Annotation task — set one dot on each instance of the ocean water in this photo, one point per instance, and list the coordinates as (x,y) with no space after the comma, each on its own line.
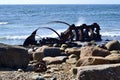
(18,21)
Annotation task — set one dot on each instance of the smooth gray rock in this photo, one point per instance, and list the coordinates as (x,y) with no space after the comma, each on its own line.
(13,56)
(52,51)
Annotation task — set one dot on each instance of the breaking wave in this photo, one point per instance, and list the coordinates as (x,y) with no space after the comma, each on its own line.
(110,34)
(3,23)
(80,21)
(13,37)
(38,36)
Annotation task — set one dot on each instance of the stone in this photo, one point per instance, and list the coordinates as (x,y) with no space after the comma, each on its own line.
(73,56)
(114,58)
(13,56)
(97,72)
(54,60)
(63,46)
(41,49)
(71,60)
(20,70)
(52,51)
(47,76)
(93,51)
(113,45)
(91,43)
(40,66)
(53,78)
(92,61)
(75,51)
(38,56)
(37,77)
(54,69)
(114,52)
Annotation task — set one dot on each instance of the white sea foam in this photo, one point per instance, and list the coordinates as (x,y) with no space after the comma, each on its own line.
(3,23)
(13,37)
(80,21)
(111,34)
(23,37)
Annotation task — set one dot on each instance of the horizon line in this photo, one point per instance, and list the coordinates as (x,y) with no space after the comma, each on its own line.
(61,4)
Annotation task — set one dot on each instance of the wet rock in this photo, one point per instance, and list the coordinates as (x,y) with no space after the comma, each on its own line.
(93,51)
(92,61)
(54,60)
(98,72)
(113,45)
(13,56)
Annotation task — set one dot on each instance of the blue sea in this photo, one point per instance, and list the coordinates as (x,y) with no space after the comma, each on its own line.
(17,22)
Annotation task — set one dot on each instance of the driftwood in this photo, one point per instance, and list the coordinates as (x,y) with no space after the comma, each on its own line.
(73,33)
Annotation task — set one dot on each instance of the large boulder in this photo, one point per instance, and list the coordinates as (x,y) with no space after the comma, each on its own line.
(93,51)
(13,56)
(91,61)
(98,72)
(113,45)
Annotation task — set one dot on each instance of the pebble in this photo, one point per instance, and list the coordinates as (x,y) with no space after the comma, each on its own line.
(55,69)
(53,79)
(20,70)
(37,77)
(72,56)
(47,76)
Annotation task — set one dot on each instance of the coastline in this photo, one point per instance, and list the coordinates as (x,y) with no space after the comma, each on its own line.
(57,70)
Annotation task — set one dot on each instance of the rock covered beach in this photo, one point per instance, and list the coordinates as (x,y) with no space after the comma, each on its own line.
(72,61)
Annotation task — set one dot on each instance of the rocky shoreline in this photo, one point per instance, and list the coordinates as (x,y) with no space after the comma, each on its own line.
(70,61)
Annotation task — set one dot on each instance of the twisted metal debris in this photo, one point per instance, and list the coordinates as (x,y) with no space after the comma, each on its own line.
(72,33)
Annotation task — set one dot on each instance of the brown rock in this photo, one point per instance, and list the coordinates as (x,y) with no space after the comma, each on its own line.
(91,61)
(38,56)
(113,45)
(93,51)
(114,58)
(71,60)
(75,51)
(114,52)
(98,72)
(41,49)
(54,60)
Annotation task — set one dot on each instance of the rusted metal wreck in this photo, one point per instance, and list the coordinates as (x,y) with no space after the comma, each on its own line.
(73,33)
